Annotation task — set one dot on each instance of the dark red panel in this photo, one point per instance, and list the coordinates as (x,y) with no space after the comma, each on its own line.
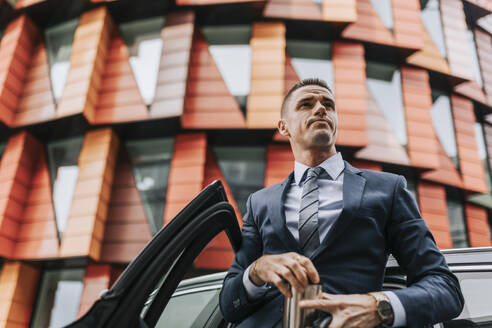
(434,209)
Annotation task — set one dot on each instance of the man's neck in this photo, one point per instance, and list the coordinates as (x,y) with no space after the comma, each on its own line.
(313,157)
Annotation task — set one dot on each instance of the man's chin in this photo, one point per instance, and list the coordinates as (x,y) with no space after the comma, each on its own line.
(322,140)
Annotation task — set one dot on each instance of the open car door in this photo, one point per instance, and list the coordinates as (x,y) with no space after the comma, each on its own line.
(158,269)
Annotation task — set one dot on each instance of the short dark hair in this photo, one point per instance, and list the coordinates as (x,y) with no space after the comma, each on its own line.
(300,84)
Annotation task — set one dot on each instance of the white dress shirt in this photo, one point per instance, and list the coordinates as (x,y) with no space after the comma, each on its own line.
(330,206)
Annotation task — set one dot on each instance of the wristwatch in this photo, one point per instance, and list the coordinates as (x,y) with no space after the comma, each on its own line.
(384,308)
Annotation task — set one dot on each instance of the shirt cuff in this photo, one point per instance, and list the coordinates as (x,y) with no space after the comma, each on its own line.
(254,292)
(398,310)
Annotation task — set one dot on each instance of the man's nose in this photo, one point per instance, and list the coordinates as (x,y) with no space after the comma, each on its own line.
(319,109)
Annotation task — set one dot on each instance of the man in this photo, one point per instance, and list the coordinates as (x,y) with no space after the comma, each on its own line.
(333,224)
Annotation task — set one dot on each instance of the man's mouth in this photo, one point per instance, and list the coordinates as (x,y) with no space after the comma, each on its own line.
(320,120)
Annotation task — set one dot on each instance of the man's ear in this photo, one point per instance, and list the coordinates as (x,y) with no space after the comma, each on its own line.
(282,128)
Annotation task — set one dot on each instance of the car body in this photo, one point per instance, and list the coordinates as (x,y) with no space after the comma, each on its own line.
(150,292)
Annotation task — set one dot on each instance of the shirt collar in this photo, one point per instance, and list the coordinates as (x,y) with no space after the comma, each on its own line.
(332,165)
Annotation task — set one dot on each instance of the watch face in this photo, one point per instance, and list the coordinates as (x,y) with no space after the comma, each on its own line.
(385,309)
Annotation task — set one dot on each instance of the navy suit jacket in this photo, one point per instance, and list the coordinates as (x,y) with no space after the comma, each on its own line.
(379,217)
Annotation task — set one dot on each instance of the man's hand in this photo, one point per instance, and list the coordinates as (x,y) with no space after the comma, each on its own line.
(296,269)
(347,311)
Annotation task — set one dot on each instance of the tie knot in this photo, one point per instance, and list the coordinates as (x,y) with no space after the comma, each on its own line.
(314,172)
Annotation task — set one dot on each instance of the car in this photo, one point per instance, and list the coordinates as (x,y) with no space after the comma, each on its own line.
(151,293)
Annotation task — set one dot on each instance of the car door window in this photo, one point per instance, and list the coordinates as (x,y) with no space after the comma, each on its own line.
(184,310)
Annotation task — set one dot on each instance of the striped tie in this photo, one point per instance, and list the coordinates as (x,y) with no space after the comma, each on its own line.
(308,213)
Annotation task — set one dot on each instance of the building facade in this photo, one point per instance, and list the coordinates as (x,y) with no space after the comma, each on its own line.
(115,114)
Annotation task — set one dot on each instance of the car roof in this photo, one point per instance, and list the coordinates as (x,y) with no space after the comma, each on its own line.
(460,256)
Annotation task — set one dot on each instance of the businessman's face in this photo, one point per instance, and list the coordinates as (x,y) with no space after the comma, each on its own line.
(310,119)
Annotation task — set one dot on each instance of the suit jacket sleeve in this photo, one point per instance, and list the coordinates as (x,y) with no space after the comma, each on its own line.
(234,302)
(434,293)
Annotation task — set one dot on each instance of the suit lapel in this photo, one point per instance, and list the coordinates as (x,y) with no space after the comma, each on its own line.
(353,187)
(278,211)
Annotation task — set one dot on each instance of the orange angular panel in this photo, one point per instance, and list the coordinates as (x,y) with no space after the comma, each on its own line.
(429,56)
(186,173)
(383,145)
(350,93)
(85,226)
(119,99)
(446,173)
(471,90)
(406,15)
(220,244)
(212,173)
(16,48)
(290,75)
(472,168)
(485,23)
(26,3)
(434,209)
(208,103)
(36,103)
(25,185)
(18,285)
(478,226)
(267,75)
(90,47)
(279,163)
(127,229)
(369,26)
(342,11)
(455,29)
(177,37)
(293,9)
(483,41)
(38,235)
(416,92)
(97,279)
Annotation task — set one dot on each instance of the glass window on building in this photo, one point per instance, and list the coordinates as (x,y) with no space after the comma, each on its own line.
(63,158)
(383,8)
(2,148)
(431,17)
(442,120)
(477,73)
(229,46)
(456,215)
(482,150)
(58,299)
(319,3)
(243,169)
(151,162)
(143,38)
(59,39)
(384,83)
(312,59)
